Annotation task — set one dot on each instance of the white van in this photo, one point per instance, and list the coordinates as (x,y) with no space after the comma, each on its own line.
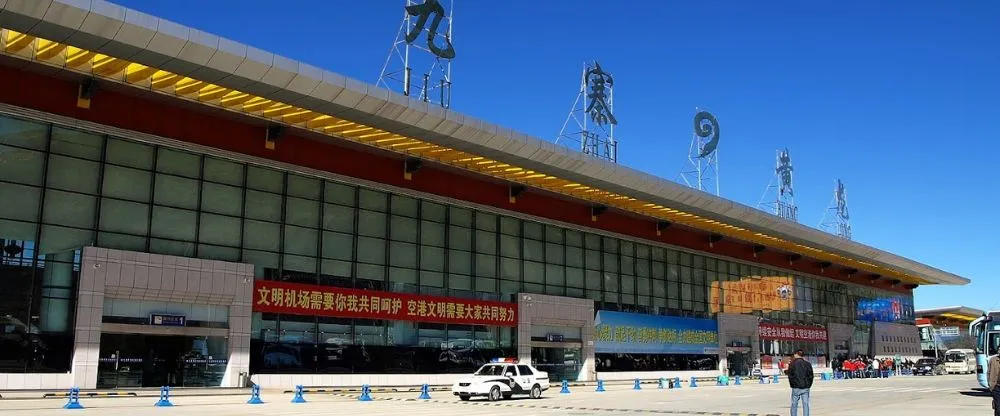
(960,361)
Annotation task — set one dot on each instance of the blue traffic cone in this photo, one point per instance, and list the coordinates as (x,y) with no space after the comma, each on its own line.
(164,397)
(775,379)
(636,387)
(600,386)
(425,392)
(738,381)
(255,395)
(677,382)
(693,383)
(298,395)
(365,394)
(565,387)
(74,399)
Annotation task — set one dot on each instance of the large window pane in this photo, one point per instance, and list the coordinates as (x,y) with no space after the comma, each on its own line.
(132,154)
(304,212)
(21,165)
(220,230)
(486,265)
(176,191)
(459,238)
(178,163)
(432,258)
(171,247)
(338,218)
(121,241)
(461,217)
(301,241)
(371,250)
(72,174)
(510,269)
(23,133)
(371,223)
(260,235)
(534,250)
(221,199)
(61,239)
(303,187)
(459,262)
(338,246)
(433,211)
(301,264)
(223,171)
(555,275)
(177,224)
(432,233)
(76,143)
(534,272)
(126,183)
(510,226)
(339,193)
(19,202)
(403,228)
(486,242)
(265,179)
(403,254)
(372,200)
(510,246)
(554,253)
(65,208)
(263,206)
(404,205)
(124,216)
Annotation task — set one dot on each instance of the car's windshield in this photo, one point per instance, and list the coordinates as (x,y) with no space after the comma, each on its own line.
(955,357)
(926,361)
(490,370)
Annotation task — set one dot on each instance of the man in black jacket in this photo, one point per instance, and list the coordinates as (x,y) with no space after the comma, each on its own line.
(800,378)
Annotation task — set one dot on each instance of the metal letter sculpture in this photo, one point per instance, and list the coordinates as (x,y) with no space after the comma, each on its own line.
(784,171)
(841,195)
(422,12)
(705,125)
(598,107)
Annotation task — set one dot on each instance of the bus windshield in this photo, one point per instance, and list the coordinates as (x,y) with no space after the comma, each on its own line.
(993,343)
(955,357)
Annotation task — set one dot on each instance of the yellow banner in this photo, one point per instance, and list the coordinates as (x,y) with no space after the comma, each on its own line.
(754,293)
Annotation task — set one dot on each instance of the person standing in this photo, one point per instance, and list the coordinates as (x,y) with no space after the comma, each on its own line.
(993,378)
(800,378)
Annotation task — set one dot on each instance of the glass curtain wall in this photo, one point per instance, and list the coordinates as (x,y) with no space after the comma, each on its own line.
(75,188)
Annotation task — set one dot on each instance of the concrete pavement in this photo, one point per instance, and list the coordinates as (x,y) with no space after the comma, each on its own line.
(904,396)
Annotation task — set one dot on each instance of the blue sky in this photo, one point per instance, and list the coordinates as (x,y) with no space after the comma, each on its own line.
(900,100)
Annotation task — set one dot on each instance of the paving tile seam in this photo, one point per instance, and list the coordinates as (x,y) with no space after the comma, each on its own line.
(550,407)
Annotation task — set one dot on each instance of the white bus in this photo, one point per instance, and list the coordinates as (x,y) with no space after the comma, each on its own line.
(960,361)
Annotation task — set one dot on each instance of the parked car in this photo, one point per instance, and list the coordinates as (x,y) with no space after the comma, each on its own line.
(928,367)
(502,378)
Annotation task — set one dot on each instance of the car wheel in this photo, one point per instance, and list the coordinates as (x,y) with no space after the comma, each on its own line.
(494,394)
(464,397)
(536,392)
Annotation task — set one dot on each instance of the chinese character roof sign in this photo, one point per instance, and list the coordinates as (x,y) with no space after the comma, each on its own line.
(620,332)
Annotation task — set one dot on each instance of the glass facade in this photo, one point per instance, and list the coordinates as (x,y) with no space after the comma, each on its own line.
(75,188)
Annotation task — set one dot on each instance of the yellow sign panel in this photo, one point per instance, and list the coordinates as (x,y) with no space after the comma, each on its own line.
(754,293)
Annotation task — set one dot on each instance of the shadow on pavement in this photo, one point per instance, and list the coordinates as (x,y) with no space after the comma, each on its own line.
(978,392)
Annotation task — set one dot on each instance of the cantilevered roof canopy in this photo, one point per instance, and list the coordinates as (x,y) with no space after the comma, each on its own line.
(959,313)
(109,42)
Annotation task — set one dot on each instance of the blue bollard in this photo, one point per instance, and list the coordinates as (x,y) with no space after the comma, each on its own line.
(425,392)
(164,397)
(738,382)
(255,395)
(299,390)
(74,399)
(775,379)
(565,387)
(660,385)
(636,387)
(600,386)
(693,383)
(366,394)
(677,382)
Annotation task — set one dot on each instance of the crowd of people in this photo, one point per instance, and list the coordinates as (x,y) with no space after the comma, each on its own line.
(863,366)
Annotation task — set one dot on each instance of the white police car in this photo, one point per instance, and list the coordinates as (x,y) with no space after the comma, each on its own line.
(502,378)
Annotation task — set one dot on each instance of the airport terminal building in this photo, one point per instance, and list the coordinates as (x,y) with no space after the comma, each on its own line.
(181,209)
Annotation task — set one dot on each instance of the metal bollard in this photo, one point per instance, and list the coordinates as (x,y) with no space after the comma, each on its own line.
(74,399)
(636,387)
(565,387)
(255,395)
(366,394)
(600,386)
(299,390)
(164,397)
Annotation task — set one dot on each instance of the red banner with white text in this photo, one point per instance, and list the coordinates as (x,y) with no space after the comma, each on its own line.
(792,333)
(316,300)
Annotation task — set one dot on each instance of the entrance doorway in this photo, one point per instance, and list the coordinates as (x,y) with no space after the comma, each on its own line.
(561,360)
(739,363)
(143,360)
